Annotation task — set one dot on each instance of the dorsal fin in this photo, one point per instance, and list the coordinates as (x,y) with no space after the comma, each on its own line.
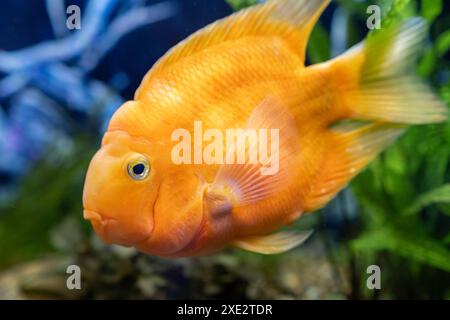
(289,20)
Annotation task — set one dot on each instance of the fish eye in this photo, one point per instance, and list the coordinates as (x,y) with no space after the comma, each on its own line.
(138,169)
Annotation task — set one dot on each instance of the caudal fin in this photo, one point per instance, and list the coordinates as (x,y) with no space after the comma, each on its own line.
(377,78)
(376,83)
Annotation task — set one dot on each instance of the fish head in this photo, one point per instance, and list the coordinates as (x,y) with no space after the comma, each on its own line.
(121,189)
(134,195)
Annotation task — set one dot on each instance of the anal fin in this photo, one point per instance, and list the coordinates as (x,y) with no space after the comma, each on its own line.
(274,243)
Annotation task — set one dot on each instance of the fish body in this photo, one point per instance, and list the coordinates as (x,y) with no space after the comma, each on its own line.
(248,72)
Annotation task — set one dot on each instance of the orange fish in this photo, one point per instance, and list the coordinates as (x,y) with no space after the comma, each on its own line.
(165,180)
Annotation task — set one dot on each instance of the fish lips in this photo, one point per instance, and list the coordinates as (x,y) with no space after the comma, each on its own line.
(111,231)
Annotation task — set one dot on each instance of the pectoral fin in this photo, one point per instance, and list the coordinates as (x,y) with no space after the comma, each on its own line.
(247,183)
(273,243)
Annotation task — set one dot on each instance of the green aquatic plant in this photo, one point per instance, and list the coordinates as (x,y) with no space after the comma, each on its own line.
(51,191)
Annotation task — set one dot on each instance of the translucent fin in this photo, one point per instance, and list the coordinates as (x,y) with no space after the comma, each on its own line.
(288,20)
(257,170)
(379,82)
(352,147)
(274,243)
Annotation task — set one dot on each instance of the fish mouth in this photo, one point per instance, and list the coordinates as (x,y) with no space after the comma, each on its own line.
(98,221)
(96,217)
(105,226)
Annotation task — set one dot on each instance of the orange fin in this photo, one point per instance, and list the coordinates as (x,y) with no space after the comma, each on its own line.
(351,149)
(288,20)
(378,81)
(274,243)
(252,173)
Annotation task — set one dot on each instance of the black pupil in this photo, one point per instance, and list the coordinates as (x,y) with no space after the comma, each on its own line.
(138,169)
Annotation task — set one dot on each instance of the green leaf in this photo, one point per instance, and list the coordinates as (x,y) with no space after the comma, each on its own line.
(319,45)
(443,43)
(431,9)
(438,195)
(447,239)
(427,62)
(408,245)
(240,4)
(445,94)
